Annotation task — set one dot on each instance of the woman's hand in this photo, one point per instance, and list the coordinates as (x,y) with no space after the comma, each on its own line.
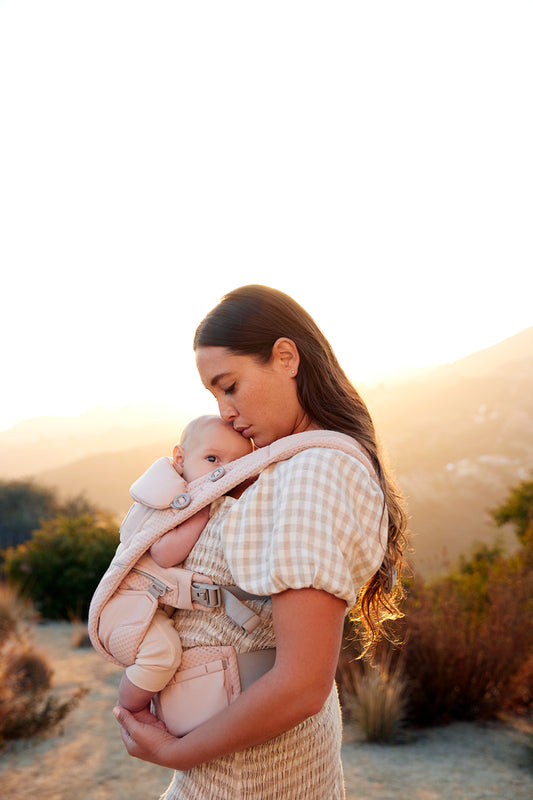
(146,737)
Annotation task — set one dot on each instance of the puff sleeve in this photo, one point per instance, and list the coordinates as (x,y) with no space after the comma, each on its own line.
(317,520)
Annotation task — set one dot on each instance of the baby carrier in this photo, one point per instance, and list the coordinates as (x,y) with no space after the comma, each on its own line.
(158,509)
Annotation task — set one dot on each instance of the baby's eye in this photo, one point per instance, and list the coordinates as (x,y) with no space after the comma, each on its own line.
(211,458)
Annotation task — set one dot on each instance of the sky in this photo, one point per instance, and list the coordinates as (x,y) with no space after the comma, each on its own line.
(373,160)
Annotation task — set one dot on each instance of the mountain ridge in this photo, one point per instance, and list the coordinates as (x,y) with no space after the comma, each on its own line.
(458,437)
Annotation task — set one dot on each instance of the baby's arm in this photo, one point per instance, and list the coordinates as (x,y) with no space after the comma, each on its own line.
(174,547)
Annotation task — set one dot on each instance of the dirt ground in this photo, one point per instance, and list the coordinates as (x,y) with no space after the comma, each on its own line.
(85,758)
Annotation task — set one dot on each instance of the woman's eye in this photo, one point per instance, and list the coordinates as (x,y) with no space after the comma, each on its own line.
(230,389)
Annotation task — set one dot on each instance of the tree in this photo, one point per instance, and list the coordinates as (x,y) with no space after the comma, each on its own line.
(518,510)
(25,505)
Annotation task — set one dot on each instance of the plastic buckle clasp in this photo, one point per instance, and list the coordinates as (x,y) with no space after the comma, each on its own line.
(207,594)
(181,501)
(217,474)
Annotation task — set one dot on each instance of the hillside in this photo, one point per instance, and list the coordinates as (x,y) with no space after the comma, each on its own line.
(45,444)
(105,478)
(458,437)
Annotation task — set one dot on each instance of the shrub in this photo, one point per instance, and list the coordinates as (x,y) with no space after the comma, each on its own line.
(27,707)
(26,671)
(60,567)
(376,698)
(372,690)
(467,646)
(14,612)
(465,640)
(520,694)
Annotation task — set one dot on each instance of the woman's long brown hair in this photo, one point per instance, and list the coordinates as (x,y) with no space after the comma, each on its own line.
(248,321)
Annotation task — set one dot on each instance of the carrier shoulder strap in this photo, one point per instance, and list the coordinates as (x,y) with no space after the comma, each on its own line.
(157,509)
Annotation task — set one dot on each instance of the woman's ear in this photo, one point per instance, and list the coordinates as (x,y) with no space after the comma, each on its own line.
(178,454)
(286,353)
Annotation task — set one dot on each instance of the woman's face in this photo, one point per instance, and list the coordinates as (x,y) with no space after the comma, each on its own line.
(260,400)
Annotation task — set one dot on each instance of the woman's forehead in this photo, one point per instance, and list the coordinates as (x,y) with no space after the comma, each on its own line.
(215,363)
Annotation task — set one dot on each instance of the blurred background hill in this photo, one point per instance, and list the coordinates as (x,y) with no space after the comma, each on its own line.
(457,436)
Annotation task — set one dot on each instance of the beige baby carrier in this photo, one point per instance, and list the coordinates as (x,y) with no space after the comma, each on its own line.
(158,509)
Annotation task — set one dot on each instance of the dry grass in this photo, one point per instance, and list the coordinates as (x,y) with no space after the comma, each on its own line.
(84,757)
(375,700)
(27,706)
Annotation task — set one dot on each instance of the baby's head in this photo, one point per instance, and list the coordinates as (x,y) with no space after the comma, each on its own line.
(207,442)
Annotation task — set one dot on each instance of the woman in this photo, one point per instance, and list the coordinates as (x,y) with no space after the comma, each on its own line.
(318,533)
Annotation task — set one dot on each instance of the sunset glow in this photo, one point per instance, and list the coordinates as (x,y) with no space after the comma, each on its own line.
(373,161)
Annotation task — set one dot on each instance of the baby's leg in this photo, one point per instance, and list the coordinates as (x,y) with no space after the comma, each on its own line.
(157,660)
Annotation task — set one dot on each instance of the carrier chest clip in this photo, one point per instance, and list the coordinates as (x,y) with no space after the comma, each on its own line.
(207,594)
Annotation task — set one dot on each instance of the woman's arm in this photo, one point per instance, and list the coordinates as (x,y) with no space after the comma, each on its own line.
(308,624)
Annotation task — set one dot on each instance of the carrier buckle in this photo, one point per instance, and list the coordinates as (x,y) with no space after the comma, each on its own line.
(207,594)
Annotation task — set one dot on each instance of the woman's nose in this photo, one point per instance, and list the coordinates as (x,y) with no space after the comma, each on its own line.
(227,411)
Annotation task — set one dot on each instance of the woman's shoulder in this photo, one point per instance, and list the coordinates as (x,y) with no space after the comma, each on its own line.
(320,459)
(323,473)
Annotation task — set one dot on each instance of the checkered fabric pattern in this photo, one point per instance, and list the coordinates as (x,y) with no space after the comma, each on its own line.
(314,520)
(317,520)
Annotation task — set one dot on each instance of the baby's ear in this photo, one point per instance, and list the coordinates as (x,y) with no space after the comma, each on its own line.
(178,455)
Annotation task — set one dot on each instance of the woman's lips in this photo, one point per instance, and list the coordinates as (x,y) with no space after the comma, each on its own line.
(245,431)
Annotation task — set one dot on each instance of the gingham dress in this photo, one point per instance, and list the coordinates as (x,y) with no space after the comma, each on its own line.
(315,520)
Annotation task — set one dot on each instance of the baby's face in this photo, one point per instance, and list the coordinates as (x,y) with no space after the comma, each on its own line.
(212,444)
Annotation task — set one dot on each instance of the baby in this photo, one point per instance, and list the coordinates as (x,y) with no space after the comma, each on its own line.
(207,442)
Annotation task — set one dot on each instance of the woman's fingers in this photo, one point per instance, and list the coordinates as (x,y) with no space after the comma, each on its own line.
(127,724)
(149,741)
(122,716)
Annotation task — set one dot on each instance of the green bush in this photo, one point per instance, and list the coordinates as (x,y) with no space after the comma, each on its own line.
(61,565)
(518,511)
